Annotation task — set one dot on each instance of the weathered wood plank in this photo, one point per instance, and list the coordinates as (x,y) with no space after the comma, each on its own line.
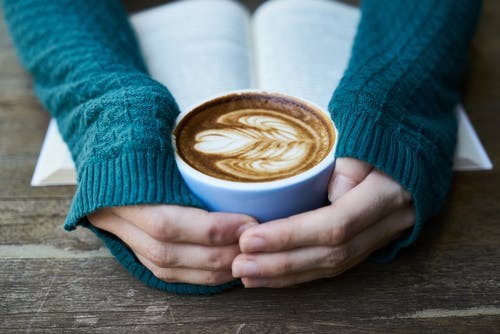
(40,222)
(450,292)
(468,219)
(86,324)
(24,123)
(470,216)
(15,177)
(484,72)
(448,282)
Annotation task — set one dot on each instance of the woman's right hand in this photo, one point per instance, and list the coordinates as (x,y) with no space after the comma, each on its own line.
(178,244)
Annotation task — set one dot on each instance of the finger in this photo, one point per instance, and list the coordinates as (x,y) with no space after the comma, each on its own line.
(285,281)
(289,280)
(269,265)
(186,225)
(347,174)
(370,201)
(184,275)
(168,255)
(278,264)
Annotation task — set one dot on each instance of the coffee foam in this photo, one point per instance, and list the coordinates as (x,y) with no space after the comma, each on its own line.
(237,141)
(257,143)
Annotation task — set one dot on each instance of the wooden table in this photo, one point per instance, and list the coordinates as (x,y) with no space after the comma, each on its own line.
(52,281)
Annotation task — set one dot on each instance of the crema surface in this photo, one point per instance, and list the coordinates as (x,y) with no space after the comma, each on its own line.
(254,139)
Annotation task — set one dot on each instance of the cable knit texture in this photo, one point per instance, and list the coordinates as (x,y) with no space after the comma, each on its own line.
(394,105)
(393,108)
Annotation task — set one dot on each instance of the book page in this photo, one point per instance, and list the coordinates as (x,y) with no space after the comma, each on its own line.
(470,154)
(201,48)
(55,165)
(197,48)
(303,47)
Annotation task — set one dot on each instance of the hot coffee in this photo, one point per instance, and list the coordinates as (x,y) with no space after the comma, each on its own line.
(254,137)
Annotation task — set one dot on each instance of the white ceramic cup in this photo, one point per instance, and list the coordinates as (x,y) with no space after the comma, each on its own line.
(263,200)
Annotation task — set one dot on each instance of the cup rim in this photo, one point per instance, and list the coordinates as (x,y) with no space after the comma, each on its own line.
(256,186)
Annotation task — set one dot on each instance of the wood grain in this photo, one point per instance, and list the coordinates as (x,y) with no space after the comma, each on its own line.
(52,281)
(406,296)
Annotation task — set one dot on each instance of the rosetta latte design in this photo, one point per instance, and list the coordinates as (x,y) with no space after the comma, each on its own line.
(254,145)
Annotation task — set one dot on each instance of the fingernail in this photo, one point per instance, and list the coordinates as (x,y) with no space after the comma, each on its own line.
(254,244)
(245,268)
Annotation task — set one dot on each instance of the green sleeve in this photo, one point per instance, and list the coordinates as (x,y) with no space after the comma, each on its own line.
(394,105)
(116,120)
(398,93)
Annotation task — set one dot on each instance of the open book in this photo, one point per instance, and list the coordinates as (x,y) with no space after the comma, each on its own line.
(203,48)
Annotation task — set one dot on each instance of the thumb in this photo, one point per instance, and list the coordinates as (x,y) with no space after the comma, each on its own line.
(348,174)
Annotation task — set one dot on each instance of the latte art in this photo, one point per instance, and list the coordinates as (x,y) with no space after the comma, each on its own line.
(254,139)
(256,143)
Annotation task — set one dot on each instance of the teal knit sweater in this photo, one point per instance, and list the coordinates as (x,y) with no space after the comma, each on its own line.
(393,107)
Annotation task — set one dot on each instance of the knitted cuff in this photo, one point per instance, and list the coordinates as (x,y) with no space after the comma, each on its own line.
(131,179)
(383,146)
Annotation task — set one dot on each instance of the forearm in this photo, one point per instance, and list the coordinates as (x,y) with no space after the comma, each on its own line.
(394,106)
(89,75)
(116,120)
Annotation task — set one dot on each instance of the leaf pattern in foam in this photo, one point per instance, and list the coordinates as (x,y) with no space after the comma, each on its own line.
(255,144)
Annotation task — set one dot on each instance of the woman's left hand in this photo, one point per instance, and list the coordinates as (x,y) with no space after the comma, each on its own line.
(368,210)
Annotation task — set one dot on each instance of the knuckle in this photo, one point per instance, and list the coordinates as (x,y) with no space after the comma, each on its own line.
(215,234)
(283,267)
(408,219)
(153,253)
(338,234)
(215,278)
(157,272)
(161,274)
(157,229)
(337,258)
(167,275)
(402,196)
(170,233)
(160,228)
(161,255)
(216,261)
(286,235)
(393,190)
(399,194)
(170,259)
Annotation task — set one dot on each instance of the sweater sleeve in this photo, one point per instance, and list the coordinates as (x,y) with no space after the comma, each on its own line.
(394,105)
(116,120)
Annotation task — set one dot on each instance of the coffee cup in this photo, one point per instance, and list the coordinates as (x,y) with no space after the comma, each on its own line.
(264,154)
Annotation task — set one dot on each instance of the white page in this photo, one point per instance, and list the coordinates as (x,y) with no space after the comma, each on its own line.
(197,48)
(470,154)
(303,47)
(174,55)
(55,165)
